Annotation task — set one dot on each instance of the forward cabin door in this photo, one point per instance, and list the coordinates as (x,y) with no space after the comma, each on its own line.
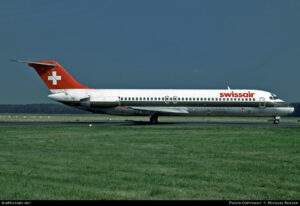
(262,103)
(175,100)
(167,99)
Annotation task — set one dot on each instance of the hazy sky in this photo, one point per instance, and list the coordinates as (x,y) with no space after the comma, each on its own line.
(251,44)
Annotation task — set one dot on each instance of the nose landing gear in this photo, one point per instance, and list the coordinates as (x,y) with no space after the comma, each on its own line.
(276,120)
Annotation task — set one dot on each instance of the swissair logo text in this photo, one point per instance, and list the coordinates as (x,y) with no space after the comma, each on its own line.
(234,94)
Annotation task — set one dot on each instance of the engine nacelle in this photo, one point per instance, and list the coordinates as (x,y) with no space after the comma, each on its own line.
(85,99)
(67,97)
(104,101)
(100,101)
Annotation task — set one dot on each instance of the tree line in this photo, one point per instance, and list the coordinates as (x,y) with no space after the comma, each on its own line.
(63,109)
(39,109)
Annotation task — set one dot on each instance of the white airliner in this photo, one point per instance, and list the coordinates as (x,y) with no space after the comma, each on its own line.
(158,102)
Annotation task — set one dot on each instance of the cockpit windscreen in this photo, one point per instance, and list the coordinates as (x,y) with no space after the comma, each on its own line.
(273,96)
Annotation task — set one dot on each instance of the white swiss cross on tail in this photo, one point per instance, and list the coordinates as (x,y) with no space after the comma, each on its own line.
(54,78)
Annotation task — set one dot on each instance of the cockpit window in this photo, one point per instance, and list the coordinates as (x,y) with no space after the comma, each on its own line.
(274,97)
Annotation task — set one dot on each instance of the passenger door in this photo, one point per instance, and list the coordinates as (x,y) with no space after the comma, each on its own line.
(175,100)
(167,99)
(262,103)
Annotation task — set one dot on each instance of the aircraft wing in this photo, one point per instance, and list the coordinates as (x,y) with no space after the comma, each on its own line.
(174,110)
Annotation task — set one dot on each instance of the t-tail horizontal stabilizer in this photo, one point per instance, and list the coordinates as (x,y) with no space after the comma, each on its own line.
(32,63)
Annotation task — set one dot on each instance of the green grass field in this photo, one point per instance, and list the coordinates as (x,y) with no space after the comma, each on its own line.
(149,162)
(99,118)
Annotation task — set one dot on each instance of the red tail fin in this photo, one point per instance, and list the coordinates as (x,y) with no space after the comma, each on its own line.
(55,76)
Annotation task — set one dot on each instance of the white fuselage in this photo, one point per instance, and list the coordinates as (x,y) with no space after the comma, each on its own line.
(174,102)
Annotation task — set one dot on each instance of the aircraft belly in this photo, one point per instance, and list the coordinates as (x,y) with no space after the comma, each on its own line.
(238,111)
(201,111)
(122,111)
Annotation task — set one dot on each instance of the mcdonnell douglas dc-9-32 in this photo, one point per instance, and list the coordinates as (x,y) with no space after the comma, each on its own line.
(158,102)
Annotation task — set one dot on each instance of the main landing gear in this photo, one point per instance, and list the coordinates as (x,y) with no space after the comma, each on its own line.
(276,120)
(154,119)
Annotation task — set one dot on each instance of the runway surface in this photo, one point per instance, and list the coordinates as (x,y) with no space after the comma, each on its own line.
(143,123)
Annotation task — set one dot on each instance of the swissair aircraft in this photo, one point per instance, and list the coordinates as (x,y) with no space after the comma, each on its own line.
(158,102)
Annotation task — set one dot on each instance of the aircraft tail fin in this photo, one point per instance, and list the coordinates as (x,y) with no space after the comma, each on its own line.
(53,74)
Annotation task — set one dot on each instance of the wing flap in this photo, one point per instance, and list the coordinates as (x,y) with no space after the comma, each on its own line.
(174,110)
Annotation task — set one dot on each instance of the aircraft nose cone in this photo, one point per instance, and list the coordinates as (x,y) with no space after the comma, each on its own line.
(291,110)
(280,101)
